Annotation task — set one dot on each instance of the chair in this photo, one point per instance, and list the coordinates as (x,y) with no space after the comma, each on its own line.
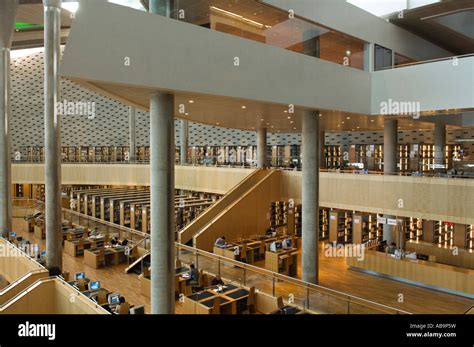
(216,308)
(80,247)
(124,308)
(102,297)
(101,258)
(243,253)
(65,276)
(251,301)
(197,287)
(146,272)
(81,285)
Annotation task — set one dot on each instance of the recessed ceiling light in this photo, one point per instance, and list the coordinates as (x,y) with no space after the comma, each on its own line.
(289,117)
(261,119)
(294,128)
(218,123)
(191,101)
(342,122)
(268,123)
(410,124)
(348,117)
(286,111)
(291,122)
(186,114)
(320,115)
(372,120)
(272,126)
(243,106)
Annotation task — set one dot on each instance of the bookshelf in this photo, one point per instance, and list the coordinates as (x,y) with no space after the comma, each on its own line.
(323,223)
(333,156)
(413,229)
(404,157)
(298,220)
(378,158)
(340,227)
(426,155)
(278,214)
(443,233)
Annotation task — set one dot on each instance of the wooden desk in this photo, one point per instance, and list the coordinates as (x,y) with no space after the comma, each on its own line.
(203,302)
(74,234)
(113,256)
(462,258)
(451,278)
(70,247)
(180,281)
(284,261)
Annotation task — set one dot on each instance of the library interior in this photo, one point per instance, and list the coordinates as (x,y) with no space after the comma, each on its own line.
(228,157)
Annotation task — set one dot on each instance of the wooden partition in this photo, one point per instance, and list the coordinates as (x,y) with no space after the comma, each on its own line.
(51,296)
(445,255)
(440,276)
(430,198)
(233,195)
(18,269)
(209,179)
(247,216)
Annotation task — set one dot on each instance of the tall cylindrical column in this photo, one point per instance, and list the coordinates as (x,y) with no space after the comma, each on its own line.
(184,142)
(390,144)
(162,203)
(439,146)
(133,133)
(310,196)
(52,126)
(8,10)
(262,148)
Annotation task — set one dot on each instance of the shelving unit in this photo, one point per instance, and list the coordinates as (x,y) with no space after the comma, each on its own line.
(443,233)
(426,155)
(414,229)
(333,156)
(323,223)
(404,157)
(340,227)
(298,220)
(278,214)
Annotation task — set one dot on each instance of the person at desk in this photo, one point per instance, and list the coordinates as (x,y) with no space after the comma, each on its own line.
(391,249)
(270,232)
(220,242)
(117,308)
(124,242)
(193,275)
(94,232)
(114,241)
(217,281)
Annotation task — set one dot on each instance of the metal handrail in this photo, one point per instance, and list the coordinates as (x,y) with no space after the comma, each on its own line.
(277,276)
(426,61)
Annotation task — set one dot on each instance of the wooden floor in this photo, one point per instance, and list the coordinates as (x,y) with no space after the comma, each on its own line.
(333,274)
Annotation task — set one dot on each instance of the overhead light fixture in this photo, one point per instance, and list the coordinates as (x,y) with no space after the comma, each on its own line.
(289,117)
(191,101)
(240,18)
(244,107)
(348,117)
(261,119)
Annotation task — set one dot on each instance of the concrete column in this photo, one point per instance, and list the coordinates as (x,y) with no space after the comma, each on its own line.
(310,197)
(322,142)
(8,10)
(390,148)
(262,148)
(184,142)
(369,57)
(162,203)
(52,126)
(439,146)
(133,133)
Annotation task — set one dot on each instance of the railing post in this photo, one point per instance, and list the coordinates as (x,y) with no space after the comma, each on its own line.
(307,297)
(348,304)
(245,272)
(273,286)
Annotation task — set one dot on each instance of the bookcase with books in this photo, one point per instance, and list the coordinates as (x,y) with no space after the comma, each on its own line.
(340,227)
(333,156)
(278,214)
(413,229)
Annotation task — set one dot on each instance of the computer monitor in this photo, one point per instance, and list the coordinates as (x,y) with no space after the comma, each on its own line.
(114,299)
(13,234)
(287,243)
(275,246)
(80,276)
(43,254)
(94,285)
(137,310)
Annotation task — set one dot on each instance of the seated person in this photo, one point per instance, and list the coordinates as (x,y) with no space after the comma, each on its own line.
(217,281)
(220,242)
(124,242)
(114,241)
(94,232)
(269,232)
(193,275)
(117,307)
(391,249)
